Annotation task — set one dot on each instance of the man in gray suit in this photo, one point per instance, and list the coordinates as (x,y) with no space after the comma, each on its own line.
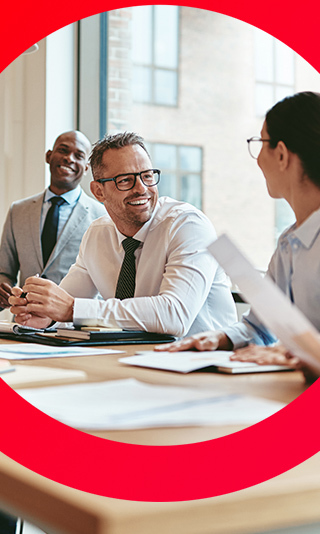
(24,238)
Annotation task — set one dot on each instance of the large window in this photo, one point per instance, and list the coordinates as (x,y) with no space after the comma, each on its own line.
(155,50)
(181,168)
(186,80)
(274,71)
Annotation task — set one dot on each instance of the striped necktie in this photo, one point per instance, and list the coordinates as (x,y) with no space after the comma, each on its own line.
(127,277)
(50,228)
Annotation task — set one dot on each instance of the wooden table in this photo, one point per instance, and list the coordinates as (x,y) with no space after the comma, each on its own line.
(290,499)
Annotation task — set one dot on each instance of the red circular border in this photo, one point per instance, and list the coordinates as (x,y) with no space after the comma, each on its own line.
(136,472)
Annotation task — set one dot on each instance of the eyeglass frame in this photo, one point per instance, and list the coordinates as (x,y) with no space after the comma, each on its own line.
(256,138)
(135,174)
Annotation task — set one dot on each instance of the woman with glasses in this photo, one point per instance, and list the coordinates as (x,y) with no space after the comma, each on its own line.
(288,153)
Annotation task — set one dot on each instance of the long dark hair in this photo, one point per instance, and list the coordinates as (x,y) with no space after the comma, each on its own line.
(295,120)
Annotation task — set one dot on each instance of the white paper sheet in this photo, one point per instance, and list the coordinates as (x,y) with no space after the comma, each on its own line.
(268,302)
(128,404)
(32,376)
(188,361)
(33,351)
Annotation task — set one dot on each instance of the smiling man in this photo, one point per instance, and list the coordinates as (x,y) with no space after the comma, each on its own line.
(40,238)
(147,257)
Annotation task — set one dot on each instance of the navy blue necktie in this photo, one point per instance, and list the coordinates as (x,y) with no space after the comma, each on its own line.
(50,228)
(127,277)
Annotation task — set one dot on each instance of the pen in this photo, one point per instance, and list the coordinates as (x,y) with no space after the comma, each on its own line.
(23,295)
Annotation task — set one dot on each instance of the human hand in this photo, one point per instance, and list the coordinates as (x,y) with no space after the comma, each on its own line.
(211,340)
(22,316)
(45,299)
(5,293)
(276,355)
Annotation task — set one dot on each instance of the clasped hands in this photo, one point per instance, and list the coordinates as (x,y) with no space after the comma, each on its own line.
(44,302)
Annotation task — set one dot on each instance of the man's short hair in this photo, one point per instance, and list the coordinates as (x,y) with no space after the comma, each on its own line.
(118,140)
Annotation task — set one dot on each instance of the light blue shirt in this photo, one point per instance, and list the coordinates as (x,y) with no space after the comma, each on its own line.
(295,268)
(71,198)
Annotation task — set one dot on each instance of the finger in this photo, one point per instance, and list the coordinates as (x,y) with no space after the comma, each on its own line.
(36,280)
(4,303)
(16,291)
(163,347)
(22,318)
(7,286)
(17,301)
(4,293)
(33,296)
(242,357)
(204,344)
(37,309)
(185,344)
(37,289)
(19,310)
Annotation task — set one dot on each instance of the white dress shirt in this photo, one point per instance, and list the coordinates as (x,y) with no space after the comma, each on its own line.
(180,289)
(295,268)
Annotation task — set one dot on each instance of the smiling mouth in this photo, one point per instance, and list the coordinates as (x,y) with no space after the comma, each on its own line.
(66,168)
(140,202)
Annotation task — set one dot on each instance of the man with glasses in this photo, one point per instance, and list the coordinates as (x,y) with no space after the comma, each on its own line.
(147,257)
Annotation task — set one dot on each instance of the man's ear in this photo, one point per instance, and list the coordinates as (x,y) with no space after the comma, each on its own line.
(97,190)
(48,156)
(283,155)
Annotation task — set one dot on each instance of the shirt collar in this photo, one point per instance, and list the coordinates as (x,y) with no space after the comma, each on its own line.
(142,233)
(70,196)
(308,231)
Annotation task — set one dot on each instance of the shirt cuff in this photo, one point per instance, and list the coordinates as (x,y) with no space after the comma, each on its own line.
(240,335)
(89,312)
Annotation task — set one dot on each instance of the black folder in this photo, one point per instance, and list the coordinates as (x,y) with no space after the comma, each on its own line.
(123,337)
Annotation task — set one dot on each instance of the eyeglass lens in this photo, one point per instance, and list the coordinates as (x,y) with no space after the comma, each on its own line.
(149,178)
(255,146)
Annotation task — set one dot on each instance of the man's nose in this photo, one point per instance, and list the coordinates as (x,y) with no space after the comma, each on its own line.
(70,157)
(139,185)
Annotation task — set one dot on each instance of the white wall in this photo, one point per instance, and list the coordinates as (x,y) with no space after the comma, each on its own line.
(60,109)
(37,103)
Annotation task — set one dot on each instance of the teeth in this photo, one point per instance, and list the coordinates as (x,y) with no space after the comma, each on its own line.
(138,202)
(65,168)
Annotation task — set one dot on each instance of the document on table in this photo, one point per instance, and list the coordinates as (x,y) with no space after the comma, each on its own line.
(33,375)
(6,367)
(128,404)
(33,351)
(269,303)
(188,361)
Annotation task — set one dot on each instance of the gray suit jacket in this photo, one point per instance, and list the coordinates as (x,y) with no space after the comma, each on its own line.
(20,248)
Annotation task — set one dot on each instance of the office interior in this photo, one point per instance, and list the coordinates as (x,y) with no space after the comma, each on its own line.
(195,99)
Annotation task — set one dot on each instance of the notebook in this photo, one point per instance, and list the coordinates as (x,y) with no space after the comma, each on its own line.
(189,361)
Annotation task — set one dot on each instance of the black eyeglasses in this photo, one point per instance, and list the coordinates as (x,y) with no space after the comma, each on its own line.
(124,182)
(255,145)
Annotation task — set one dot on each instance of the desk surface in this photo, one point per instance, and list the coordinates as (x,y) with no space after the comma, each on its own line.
(292,498)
